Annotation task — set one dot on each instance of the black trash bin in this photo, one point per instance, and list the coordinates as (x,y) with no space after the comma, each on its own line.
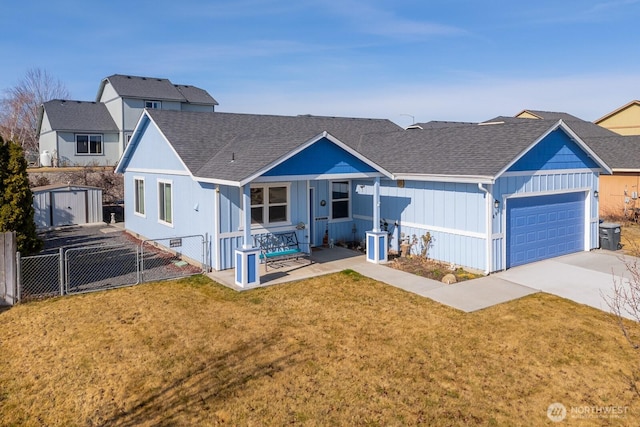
(609,236)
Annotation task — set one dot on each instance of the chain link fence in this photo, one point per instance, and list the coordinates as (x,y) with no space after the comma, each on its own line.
(39,277)
(94,268)
(106,266)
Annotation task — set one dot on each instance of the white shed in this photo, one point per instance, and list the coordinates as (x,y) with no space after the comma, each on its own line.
(57,205)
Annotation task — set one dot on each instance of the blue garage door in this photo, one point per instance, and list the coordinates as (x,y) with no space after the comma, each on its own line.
(544,227)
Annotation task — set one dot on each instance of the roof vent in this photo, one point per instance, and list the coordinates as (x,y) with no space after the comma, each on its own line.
(128,77)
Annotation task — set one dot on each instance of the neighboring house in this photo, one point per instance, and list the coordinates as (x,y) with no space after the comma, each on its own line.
(96,133)
(491,196)
(77,133)
(618,192)
(624,120)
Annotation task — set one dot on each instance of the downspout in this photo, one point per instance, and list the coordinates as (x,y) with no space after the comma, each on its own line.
(488,225)
(216,229)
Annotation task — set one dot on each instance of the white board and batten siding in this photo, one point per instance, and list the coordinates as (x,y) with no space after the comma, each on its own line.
(62,205)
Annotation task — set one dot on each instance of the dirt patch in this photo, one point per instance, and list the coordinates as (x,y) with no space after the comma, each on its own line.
(430,269)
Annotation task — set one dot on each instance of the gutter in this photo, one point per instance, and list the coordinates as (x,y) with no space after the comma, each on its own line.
(488,225)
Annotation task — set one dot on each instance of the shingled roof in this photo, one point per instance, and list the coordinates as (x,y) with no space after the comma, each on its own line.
(78,116)
(479,151)
(618,152)
(208,142)
(153,88)
(550,115)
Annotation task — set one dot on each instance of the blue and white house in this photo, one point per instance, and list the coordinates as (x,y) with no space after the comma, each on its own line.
(491,195)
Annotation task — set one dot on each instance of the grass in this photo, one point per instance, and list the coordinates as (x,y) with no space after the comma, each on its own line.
(340,349)
(630,238)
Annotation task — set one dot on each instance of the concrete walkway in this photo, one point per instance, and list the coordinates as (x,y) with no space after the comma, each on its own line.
(466,296)
(584,277)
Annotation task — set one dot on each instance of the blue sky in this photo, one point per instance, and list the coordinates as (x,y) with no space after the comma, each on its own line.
(433,60)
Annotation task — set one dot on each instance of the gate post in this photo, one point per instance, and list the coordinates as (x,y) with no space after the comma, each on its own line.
(8,268)
(62,270)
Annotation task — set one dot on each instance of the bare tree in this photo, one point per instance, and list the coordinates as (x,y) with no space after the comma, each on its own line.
(20,105)
(624,303)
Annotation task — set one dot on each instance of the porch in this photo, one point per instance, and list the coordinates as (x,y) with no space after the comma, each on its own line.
(323,261)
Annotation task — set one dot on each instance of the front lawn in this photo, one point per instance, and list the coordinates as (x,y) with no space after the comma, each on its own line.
(340,349)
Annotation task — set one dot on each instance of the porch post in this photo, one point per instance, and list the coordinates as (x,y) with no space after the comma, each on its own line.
(247,257)
(377,240)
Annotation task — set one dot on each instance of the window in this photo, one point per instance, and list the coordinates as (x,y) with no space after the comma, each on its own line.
(339,199)
(165,208)
(153,105)
(88,144)
(139,196)
(269,204)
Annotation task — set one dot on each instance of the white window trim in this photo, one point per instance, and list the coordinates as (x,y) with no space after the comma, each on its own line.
(89,135)
(349,200)
(144,196)
(266,187)
(161,208)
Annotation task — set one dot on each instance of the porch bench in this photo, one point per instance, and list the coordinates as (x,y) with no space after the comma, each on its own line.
(276,247)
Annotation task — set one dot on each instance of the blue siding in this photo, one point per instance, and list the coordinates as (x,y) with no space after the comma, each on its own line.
(322,157)
(252,273)
(556,151)
(153,152)
(454,214)
(370,243)
(193,207)
(230,220)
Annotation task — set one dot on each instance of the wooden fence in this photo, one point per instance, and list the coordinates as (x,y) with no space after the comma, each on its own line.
(8,276)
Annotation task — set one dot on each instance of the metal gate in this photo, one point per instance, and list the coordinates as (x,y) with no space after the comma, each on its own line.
(99,267)
(93,268)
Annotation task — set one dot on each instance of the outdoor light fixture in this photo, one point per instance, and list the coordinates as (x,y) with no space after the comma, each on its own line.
(496,204)
(595,194)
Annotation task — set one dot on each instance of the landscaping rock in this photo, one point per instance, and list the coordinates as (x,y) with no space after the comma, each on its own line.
(449,279)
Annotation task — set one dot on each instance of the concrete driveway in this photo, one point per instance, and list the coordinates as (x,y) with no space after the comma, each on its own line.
(584,277)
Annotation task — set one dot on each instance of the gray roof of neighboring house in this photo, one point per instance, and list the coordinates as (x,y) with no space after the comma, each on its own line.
(619,152)
(480,150)
(550,115)
(208,142)
(152,88)
(78,116)
(195,95)
(440,124)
